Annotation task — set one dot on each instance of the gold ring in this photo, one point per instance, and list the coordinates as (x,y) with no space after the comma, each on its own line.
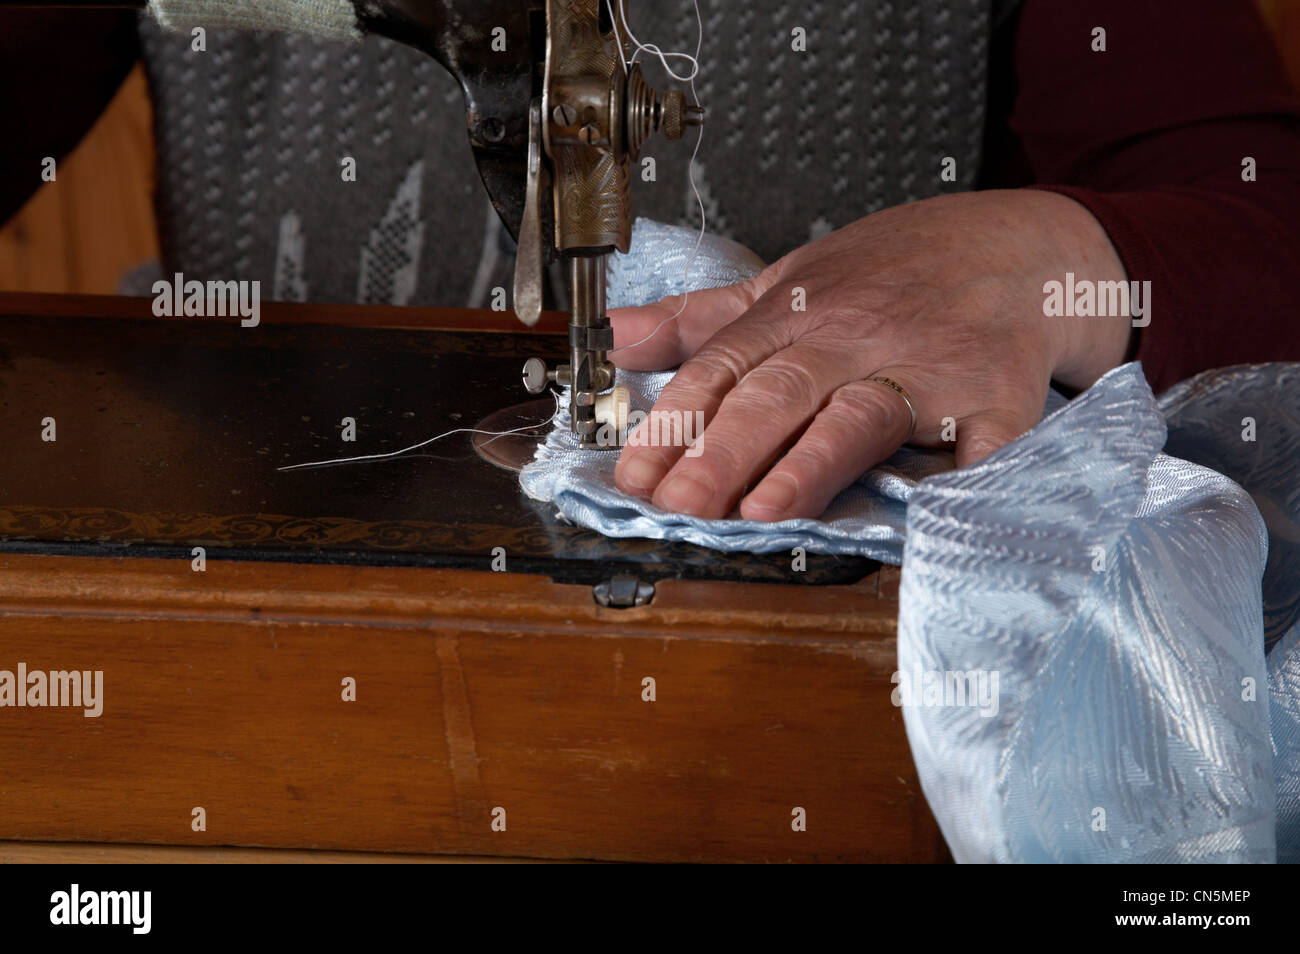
(911,408)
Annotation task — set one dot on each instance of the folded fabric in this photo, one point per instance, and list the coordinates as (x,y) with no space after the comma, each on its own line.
(1112,593)
(1284,724)
(868,519)
(1082,619)
(1244,422)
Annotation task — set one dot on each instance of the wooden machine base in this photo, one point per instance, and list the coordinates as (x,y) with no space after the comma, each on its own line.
(396,701)
(224,690)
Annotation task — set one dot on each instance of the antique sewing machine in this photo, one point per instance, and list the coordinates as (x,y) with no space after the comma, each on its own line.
(554,126)
(556,110)
(624,699)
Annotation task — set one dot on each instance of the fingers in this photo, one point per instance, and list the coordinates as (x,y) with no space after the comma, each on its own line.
(767,405)
(696,392)
(754,423)
(863,423)
(984,433)
(706,312)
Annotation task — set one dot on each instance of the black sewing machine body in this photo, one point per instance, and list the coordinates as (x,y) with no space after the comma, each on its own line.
(169,432)
(496,50)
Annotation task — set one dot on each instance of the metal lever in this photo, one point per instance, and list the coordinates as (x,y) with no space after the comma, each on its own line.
(528,258)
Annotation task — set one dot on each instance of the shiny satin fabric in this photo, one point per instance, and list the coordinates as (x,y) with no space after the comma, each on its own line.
(1244,422)
(1115,591)
(1284,712)
(1083,619)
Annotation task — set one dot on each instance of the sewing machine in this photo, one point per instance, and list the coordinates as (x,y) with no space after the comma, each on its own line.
(556,112)
(625,699)
(554,125)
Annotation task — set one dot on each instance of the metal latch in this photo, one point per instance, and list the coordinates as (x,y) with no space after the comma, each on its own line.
(623,590)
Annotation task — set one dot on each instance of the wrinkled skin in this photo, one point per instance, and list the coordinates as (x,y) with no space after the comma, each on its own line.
(944,296)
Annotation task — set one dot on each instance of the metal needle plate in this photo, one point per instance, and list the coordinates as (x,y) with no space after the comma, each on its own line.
(512,451)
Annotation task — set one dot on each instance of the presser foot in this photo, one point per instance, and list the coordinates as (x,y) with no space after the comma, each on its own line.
(601,413)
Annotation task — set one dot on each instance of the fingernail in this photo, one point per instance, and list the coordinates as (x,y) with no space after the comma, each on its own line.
(687,493)
(773,496)
(642,473)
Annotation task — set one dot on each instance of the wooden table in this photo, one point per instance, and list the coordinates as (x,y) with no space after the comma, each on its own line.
(499,714)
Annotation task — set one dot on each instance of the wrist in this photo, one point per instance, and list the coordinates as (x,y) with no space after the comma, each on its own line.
(1089,295)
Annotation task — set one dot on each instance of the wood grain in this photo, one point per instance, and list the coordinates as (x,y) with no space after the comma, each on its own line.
(53,853)
(474,691)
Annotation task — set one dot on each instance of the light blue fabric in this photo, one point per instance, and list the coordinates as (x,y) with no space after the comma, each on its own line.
(1284,714)
(1113,602)
(1243,423)
(656,265)
(1116,593)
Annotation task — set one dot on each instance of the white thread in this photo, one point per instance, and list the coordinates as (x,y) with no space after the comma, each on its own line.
(405,450)
(654,50)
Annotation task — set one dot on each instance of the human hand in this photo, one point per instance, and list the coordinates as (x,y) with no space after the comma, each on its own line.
(944,297)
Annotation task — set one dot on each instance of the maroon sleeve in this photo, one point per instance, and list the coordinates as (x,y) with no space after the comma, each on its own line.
(1151,136)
